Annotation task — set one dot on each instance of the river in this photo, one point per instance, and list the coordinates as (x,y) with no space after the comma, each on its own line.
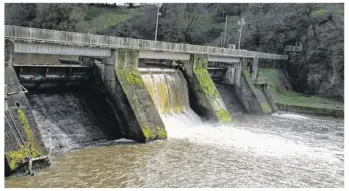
(254,151)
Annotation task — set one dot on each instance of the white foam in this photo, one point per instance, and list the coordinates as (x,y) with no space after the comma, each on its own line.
(123,140)
(189,126)
(290,116)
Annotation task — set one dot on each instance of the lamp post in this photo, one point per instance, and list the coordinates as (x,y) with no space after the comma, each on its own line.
(157,19)
(225,30)
(242,22)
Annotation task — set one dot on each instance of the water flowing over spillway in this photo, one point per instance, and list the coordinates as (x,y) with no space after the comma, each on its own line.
(169,91)
(70,120)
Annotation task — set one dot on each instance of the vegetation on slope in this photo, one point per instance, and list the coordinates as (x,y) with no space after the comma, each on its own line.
(284,94)
(69,17)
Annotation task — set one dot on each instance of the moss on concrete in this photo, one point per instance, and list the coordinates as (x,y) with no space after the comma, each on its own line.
(208,87)
(130,76)
(204,78)
(133,79)
(223,116)
(158,133)
(17,157)
(147,133)
(206,82)
(162,134)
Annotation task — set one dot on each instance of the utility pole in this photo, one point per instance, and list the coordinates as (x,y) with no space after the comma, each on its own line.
(225,30)
(157,20)
(242,22)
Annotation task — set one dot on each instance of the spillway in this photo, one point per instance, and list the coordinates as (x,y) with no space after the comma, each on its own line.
(71,120)
(169,91)
(69,108)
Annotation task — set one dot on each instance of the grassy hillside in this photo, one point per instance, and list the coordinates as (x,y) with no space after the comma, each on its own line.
(283,94)
(100,18)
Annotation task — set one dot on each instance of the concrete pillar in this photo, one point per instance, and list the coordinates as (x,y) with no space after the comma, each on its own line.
(140,119)
(207,97)
(229,76)
(9,51)
(254,68)
(238,70)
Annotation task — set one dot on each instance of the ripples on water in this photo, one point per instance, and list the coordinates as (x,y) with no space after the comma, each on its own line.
(268,151)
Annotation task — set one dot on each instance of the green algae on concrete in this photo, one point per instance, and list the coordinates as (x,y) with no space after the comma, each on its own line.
(132,77)
(223,116)
(147,133)
(162,134)
(206,82)
(16,157)
(204,78)
(207,85)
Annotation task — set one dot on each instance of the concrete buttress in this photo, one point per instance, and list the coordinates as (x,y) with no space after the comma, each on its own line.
(22,137)
(141,121)
(208,98)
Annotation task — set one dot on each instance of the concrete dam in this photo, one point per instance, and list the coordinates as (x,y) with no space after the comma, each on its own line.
(67,90)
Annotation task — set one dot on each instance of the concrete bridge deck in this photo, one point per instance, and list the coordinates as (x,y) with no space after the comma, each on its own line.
(83,40)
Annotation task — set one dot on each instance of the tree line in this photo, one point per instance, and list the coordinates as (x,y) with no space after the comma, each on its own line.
(319,28)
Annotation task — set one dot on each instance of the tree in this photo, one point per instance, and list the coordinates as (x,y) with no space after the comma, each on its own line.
(20,14)
(59,16)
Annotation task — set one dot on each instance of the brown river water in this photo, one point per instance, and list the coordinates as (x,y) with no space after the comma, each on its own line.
(284,150)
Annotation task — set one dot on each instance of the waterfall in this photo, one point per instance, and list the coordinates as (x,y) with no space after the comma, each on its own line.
(169,91)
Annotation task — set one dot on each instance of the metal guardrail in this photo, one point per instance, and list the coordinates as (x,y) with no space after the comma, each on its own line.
(84,39)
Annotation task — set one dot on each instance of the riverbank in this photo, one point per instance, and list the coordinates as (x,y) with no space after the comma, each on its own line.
(288,100)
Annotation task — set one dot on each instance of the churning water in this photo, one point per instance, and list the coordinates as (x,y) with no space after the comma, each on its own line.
(285,150)
(71,120)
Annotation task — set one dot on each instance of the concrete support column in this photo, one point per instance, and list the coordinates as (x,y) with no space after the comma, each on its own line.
(9,52)
(254,68)
(208,100)
(140,119)
(229,76)
(238,69)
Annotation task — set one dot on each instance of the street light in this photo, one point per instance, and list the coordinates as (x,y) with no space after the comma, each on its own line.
(242,22)
(157,19)
(225,30)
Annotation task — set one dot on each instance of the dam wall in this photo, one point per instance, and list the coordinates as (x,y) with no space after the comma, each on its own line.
(22,137)
(113,77)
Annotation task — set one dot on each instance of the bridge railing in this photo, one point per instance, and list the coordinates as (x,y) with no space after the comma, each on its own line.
(73,38)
